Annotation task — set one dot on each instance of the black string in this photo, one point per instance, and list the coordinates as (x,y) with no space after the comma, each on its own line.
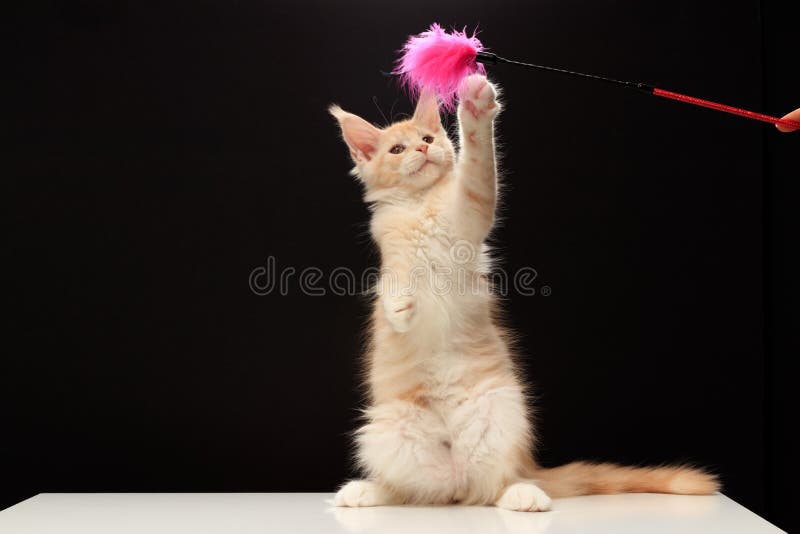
(487,57)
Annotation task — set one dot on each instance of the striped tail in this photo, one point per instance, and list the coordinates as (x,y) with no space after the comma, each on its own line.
(583,478)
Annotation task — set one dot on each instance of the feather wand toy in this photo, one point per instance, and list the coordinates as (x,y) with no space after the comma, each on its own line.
(439,61)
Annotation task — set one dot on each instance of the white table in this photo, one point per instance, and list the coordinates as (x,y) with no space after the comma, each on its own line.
(311,513)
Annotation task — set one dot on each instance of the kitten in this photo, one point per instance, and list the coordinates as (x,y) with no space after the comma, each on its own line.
(447,420)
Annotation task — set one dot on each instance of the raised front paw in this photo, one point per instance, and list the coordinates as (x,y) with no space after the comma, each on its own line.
(399,311)
(478,98)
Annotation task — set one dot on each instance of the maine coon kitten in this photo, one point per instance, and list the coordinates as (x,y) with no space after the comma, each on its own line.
(447,420)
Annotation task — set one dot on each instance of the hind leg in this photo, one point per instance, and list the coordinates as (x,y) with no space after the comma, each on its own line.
(405,447)
(358,493)
(492,440)
(524,497)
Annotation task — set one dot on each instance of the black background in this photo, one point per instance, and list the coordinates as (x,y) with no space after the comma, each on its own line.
(157,154)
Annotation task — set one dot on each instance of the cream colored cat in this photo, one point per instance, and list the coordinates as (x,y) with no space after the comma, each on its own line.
(448,420)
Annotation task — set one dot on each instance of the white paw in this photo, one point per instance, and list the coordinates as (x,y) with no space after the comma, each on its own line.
(360,493)
(478,98)
(399,311)
(524,497)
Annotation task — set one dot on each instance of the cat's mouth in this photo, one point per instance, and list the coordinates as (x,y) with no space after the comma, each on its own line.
(424,163)
(421,167)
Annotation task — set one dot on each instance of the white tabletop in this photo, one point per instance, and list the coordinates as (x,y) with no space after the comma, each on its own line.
(300,513)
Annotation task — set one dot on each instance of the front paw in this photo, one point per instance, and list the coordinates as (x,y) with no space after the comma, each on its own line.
(399,311)
(478,99)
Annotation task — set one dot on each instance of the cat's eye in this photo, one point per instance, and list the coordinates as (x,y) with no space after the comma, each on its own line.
(397,149)
(428,139)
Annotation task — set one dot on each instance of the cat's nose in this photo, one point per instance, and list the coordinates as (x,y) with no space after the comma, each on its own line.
(423,148)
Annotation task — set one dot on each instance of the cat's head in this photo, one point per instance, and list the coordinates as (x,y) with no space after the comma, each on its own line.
(408,156)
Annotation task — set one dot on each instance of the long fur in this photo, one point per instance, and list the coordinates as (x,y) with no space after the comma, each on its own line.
(448,418)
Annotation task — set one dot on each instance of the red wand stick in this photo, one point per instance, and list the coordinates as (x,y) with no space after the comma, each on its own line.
(727,109)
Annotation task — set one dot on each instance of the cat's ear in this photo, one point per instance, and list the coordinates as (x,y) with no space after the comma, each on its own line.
(427,111)
(361,137)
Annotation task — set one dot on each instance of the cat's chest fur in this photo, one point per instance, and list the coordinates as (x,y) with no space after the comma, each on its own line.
(430,241)
(423,255)
(424,235)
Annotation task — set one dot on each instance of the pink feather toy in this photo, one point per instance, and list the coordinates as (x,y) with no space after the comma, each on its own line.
(438,61)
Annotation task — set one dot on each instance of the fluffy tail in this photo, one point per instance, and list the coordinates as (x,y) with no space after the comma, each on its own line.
(582,478)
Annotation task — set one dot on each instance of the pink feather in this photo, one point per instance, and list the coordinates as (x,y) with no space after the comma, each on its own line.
(438,61)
